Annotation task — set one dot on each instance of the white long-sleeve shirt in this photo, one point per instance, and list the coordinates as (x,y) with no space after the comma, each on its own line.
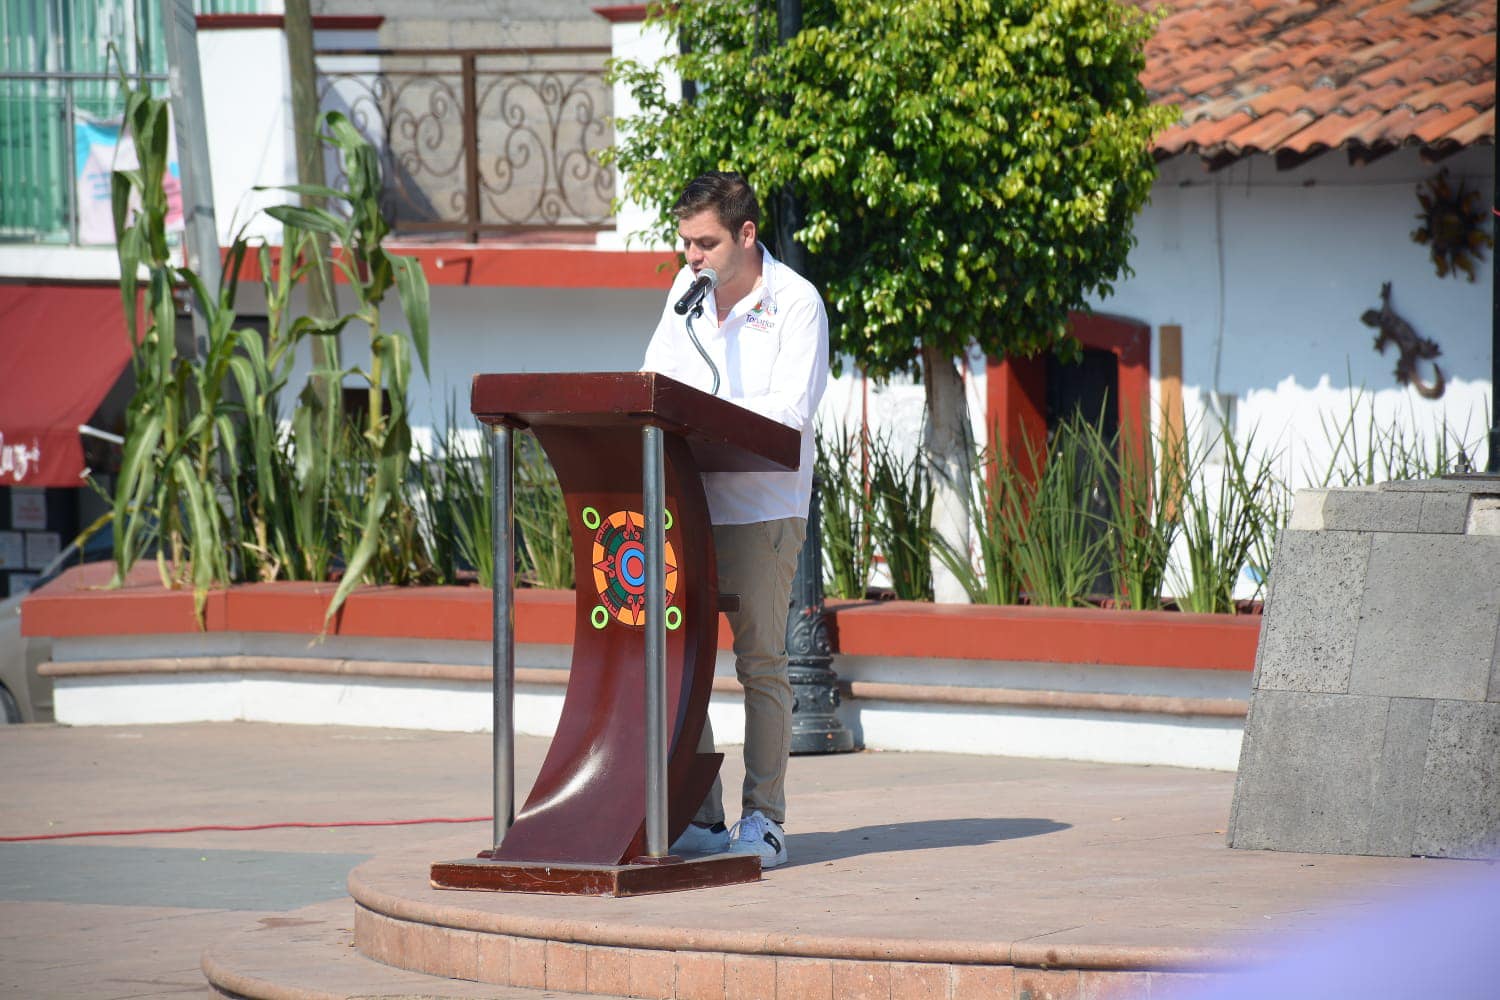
(772,356)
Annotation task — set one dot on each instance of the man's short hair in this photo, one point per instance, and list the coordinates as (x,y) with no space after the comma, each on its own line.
(728,194)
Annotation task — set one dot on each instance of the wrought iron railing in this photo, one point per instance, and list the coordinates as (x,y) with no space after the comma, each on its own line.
(481,142)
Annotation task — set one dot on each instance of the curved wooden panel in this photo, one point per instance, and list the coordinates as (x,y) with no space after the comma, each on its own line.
(588,804)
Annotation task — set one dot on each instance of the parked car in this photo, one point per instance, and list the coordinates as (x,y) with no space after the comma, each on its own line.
(25,695)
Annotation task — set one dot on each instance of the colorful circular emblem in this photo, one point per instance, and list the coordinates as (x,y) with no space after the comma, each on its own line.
(619,560)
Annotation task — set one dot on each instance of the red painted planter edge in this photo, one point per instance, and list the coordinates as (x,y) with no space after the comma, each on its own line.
(75,605)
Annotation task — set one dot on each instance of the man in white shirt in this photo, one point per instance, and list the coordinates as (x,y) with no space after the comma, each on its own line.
(765,330)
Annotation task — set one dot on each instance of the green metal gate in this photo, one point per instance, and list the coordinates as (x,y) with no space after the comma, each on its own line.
(56,70)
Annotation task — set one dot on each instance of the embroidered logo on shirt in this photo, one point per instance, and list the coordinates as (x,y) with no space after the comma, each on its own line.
(761,316)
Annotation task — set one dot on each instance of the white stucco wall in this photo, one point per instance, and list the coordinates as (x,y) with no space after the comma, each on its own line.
(247,99)
(1267,272)
(647,45)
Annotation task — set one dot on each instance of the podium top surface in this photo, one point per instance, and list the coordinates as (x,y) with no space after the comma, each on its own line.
(723,437)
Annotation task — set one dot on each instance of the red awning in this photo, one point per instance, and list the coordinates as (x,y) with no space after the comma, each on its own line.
(61,349)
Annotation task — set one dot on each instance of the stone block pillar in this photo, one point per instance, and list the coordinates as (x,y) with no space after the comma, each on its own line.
(1374,724)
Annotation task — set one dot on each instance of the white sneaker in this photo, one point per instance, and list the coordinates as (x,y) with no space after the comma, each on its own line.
(698,839)
(756,834)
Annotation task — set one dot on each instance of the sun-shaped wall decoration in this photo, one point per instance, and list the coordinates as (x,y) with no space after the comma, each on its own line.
(1453,225)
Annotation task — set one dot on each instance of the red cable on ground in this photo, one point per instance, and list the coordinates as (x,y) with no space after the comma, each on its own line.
(254,826)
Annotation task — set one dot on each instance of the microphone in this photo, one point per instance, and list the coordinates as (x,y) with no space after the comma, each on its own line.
(701,286)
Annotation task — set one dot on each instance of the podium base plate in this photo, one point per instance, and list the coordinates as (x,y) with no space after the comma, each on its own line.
(554,878)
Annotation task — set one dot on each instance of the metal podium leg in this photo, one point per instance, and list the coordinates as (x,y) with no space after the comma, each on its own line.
(653,495)
(503,650)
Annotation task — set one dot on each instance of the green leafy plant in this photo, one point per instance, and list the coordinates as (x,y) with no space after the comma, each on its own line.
(215,483)
(468,486)
(453,499)
(1000,148)
(847,508)
(286,471)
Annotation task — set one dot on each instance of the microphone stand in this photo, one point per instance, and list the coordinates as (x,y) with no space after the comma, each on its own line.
(695,312)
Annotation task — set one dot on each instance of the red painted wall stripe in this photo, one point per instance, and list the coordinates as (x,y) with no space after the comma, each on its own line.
(525,267)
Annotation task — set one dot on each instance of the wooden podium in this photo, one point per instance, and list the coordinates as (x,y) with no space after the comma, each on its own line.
(623,776)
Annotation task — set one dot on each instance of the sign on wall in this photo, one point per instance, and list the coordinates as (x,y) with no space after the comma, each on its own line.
(100,147)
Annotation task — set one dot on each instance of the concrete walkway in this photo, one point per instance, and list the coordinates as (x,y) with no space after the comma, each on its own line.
(923,850)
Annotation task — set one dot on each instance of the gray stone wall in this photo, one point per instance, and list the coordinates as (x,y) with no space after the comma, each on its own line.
(1374,723)
(474,24)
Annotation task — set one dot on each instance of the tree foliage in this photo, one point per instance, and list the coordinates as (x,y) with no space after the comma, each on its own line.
(968,169)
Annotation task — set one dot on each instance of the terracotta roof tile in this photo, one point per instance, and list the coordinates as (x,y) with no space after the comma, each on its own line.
(1480,127)
(1210,132)
(1447,95)
(1393,127)
(1383,98)
(1303,75)
(1286,97)
(1439,128)
(1477,95)
(1318,101)
(1270,131)
(1331,131)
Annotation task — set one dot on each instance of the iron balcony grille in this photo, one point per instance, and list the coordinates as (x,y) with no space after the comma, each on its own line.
(481,143)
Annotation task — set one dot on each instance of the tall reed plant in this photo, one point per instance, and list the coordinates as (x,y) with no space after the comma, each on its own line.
(454,484)
(987,572)
(1150,478)
(1364,450)
(847,508)
(1227,518)
(1054,516)
(544,546)
(902,493)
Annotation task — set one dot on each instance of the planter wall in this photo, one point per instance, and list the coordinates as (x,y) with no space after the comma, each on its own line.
(1091,684)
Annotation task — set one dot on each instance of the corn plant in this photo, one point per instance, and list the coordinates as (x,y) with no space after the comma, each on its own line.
(846,507)
(173,491)
(382,522)
(902,491)
(289,528)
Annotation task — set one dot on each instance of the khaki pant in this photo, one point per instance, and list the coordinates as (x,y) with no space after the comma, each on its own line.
(757,562)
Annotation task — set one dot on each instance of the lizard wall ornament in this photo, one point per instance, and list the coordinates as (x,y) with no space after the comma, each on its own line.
(1412,346)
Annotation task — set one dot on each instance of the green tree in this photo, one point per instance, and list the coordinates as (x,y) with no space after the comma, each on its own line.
(968,170)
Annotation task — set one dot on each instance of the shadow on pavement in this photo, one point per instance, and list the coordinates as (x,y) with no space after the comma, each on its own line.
(920,835)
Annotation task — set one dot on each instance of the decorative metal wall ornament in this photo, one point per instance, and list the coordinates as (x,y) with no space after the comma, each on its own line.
(1412,347)
(1452,225)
